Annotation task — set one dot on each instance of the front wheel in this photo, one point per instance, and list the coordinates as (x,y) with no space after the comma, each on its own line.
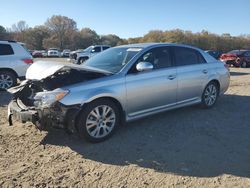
(210,95)
(7,80)
(98,120)
(82,60)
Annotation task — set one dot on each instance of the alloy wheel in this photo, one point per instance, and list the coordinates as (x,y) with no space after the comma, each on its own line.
(210,95)
(100,121)
(5,81)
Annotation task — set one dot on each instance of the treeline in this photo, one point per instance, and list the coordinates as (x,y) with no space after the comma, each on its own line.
(62,32)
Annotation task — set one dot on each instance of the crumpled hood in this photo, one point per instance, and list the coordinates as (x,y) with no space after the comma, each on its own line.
(42,69)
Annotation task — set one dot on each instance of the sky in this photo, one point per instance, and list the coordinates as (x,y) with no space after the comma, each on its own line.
(134,18)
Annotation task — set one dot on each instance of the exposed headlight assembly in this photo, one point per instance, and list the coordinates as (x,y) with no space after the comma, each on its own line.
(47,98)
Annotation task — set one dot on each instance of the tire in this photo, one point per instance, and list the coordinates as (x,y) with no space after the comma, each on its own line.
(210,95)
(82,60)
(237,63)
(7,80)
(243,64)
(94,128)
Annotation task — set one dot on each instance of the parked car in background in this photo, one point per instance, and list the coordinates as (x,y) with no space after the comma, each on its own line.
(65,53)
(54,52)
(44,53)
(214,53)
(37,53)
(89,52)
(73,54)
(123,83)
(237,58)
(31,51)
(14,61)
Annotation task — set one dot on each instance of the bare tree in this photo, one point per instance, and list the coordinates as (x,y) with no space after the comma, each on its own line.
(17,30)
(61,27)
(19,26)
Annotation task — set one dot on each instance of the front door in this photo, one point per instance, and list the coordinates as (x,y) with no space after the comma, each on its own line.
(155,89)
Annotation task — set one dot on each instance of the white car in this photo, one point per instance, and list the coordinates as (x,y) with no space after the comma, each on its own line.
(54,52)
(89,52)
(14,61)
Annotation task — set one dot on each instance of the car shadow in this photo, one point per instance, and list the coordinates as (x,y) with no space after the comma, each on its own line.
(190,141)
(5,98)
(238,73)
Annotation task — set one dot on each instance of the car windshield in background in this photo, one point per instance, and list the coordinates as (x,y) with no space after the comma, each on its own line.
(88,49)
(236,52)
(112,60)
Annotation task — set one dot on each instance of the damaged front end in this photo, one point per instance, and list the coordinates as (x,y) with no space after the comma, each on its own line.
(38,101)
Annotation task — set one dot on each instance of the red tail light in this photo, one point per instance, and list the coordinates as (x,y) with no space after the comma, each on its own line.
(27,61)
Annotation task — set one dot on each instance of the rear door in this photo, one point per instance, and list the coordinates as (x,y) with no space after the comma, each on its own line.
(152,90)
(192,73)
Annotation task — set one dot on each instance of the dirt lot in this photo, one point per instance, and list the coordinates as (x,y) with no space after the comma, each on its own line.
(188,147)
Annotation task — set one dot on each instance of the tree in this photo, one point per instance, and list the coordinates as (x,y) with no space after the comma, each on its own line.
(3,33)
(61,27)
(154,36)
(87,37)
(112,40)
(19,26)
(17,30)
(34,37)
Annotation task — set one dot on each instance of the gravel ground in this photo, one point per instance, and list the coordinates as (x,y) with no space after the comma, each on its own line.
(188,147)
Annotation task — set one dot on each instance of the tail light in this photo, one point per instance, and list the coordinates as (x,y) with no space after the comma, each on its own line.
(28,61)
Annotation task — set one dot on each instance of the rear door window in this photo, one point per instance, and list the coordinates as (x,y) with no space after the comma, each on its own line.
(105,47)
(6,49)
(186,56)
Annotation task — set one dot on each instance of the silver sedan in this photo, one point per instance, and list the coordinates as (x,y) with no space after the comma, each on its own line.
(121,84)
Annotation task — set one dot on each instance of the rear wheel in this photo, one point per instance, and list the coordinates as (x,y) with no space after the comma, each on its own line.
(243,64)
(7,80)
(98,120)
(210,95)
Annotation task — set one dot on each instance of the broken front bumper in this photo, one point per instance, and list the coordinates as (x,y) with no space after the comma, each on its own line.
(58,115)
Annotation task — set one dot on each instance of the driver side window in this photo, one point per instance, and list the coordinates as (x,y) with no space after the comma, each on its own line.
(159,57)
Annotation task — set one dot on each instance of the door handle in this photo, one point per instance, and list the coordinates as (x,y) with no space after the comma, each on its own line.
(205,71)
(171,77)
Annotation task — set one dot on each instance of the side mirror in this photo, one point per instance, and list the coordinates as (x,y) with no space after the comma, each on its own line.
(92,51)
(144,66)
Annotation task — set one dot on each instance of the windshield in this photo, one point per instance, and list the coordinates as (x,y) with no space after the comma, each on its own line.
(113,59)
(88,49)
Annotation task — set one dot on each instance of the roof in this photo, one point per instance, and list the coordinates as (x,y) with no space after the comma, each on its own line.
(146,45)
(7,41)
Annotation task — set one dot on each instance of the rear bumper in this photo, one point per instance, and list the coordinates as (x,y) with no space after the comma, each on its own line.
(58,115)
